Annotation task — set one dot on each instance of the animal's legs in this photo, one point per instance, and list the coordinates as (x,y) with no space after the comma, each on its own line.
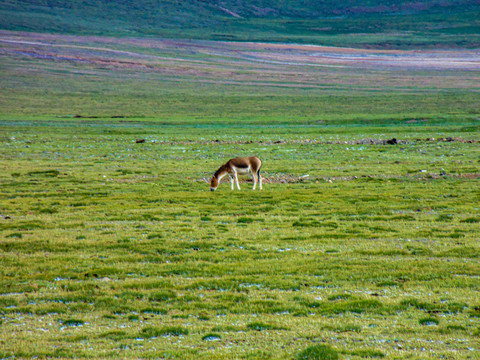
(259,179)
(254,180)
(236,180)
(231,180)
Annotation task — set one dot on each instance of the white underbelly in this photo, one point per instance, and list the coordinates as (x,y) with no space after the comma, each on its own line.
(241,170)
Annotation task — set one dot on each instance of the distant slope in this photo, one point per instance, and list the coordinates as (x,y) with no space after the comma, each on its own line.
(364,23)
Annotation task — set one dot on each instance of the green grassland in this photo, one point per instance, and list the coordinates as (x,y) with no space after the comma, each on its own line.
(366,23)
(116,249)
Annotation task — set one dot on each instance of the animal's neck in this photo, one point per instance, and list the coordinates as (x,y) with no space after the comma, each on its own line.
(221,172)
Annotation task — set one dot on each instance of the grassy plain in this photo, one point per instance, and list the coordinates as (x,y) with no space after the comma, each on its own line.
(116,249)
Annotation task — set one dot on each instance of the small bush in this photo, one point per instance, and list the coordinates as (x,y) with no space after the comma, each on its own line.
(317,352)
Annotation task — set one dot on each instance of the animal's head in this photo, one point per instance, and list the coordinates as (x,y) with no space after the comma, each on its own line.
(213,183)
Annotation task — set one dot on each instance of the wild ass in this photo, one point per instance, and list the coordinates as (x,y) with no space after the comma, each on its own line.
(242,165)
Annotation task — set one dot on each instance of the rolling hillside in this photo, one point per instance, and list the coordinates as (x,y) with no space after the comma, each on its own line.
(367,23)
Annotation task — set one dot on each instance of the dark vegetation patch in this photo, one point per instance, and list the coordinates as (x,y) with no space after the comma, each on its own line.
(315,223)
(73,322)
(429,321)
(343,304)
(14,236)
(45,173)
(471,220)
(368,354)
(151,331)
(114,335)
(212,337)
(452,329)
(317,352)
(247,220)
(433,308)
(154,310)
(260,326)
(23,225)
(460,252)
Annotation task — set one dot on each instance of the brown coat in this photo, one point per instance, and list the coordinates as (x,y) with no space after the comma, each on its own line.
(242,165)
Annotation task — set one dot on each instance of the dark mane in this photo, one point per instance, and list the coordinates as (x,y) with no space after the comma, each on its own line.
(219,171)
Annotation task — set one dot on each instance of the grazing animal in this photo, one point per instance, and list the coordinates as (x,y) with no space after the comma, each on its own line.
(242,165)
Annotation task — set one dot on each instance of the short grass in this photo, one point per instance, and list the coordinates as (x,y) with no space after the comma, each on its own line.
(116,249)
(112,248)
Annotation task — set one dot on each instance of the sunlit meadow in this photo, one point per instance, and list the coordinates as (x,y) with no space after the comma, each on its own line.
(363,244)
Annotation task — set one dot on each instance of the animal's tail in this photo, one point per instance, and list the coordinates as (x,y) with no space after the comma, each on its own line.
(259,177)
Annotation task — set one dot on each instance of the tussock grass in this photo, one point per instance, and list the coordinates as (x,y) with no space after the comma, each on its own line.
(317,352)
(73,322)
(259,326)
(150,332)
(429,321)
(212,337)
